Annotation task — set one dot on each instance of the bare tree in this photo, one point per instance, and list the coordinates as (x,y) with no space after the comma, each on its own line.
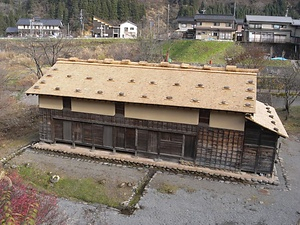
(290,81)
(44,52)
(247,55)
(149,50)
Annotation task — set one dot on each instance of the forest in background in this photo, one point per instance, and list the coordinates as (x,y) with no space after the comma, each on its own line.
(140,12)
(242,7)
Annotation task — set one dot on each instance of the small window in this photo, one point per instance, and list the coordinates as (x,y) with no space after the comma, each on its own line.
(216,24)
(125,28)
(228,24)
(131,28)
(66,103)
(256,26)
(204,115)
(183,25)
(199,23)
(215,34)
(119,109)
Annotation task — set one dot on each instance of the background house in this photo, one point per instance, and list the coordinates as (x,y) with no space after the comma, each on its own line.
(38,27)
(208,27)
(173,112)
(103,29)
(186,27)
(214,27)
(128,30)
(268,29)
(11,32)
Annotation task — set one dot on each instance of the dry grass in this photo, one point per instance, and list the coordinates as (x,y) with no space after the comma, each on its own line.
(292,124)
(166,188)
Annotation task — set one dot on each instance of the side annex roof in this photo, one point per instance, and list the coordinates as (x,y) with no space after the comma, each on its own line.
(266,116)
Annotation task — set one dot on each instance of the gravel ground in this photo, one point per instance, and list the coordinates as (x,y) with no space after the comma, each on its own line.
(197,200)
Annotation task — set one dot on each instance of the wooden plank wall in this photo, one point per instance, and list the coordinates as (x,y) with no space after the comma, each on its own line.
(45,126)
(258,159)
(216,148)
(151,137)
(259,149)
(219,148)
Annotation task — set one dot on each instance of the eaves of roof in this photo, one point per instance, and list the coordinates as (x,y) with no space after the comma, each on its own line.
(266,116)
(213,17)
(185,19)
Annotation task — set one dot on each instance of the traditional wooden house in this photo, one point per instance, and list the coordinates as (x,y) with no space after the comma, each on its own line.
(208,116)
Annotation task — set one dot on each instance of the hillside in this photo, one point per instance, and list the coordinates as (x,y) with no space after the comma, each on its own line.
(145,13)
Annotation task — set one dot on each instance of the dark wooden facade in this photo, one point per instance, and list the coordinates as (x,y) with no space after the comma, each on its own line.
(260,147)
(251,151)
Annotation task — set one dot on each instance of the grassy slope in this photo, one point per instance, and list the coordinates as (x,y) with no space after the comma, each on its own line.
(194,51)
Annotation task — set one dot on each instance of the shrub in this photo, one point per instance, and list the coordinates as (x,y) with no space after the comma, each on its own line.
(21,204)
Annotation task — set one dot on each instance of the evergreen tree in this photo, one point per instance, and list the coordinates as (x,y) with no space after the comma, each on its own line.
(60,10)
(202,7)
(123,10)
(3,24)
(113,11)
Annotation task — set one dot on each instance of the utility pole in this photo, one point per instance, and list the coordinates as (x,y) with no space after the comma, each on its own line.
(234,8)
(168,20)
(81,22)
(157,26)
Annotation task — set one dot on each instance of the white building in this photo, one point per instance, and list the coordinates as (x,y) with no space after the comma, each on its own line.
(128,30)
(39,27)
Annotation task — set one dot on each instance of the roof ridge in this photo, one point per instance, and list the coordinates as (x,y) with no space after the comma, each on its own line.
(227,68)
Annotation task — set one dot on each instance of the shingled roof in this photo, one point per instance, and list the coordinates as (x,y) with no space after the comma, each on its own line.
(229,88)
(269,19)
(214,17)
(46,22)
(267,117)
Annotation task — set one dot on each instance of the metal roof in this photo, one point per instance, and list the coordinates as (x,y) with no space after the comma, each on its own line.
(266,116)
(214,17)
(46,22)
(11,30)
(229,89)
(185,19)
(296,22)
(269,19)
(128,22)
